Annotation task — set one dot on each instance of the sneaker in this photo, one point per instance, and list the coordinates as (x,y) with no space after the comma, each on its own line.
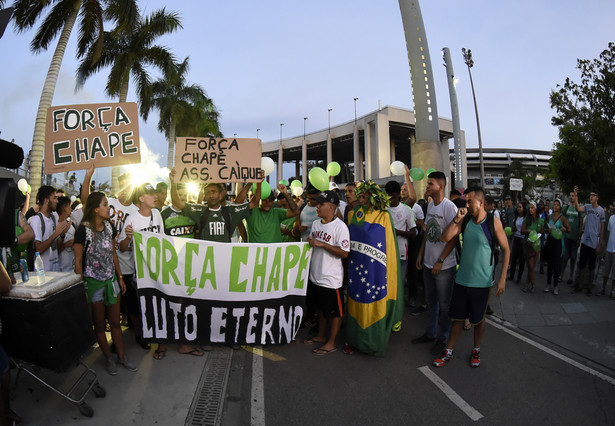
(445,357)
(547,289)
(438,347)
(422,339)
(555,292)
(348,349)
(419,310)
(111,366)
(127,364)
(475,358)
(600,293)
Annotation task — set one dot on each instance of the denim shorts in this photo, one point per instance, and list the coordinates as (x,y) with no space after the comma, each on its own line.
(98,295)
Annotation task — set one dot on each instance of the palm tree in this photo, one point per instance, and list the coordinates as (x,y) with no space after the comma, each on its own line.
(128,51)
(183,109)
(62,16)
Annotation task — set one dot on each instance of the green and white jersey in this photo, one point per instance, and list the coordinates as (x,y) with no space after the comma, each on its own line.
(176,224)
(211,223)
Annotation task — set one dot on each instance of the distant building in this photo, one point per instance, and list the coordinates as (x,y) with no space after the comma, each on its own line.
(496,162)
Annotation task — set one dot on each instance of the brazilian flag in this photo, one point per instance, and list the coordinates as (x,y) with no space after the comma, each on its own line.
(375,302)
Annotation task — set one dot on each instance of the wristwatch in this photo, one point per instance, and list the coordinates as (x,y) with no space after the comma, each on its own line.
(440,260)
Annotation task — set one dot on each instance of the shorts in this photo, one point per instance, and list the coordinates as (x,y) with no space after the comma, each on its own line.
(325,300)
(98,296)
(469,302)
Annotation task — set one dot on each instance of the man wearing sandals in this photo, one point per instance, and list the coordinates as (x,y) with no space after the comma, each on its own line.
(330,241)
(475,275)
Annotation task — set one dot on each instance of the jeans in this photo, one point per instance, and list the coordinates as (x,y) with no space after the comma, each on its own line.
(438,289)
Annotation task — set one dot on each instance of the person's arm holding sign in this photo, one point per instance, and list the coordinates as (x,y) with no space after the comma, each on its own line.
(85,187)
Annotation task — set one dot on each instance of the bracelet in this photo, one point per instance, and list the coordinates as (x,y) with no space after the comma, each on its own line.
(455,222)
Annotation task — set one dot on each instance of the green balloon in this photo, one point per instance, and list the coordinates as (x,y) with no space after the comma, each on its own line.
(536,246)
(557,234)
(533,236)
(333,168)
(416,173)
(429,171)
(508,230)
(295,184)
(283,182)
(18,232)
(319,178)
(265,189)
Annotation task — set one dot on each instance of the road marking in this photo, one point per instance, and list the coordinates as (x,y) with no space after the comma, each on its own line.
(257,407)
(553,353)
(257,350)
(451,394)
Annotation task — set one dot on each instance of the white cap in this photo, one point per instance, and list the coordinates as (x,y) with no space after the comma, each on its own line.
(332,186)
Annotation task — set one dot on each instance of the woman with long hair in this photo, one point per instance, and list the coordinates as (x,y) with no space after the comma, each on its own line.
(97,263)
(517,257)
(531,223)
(554,247)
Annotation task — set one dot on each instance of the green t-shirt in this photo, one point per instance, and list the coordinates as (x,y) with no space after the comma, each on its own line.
(574,220)
(289,223)
(264,227)
(211,224)
(177,224)
(534,226)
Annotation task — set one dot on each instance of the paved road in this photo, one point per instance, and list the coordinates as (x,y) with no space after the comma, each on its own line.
(524,378)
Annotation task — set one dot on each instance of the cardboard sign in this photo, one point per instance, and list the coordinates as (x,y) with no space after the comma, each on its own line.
(193,291)
(103,134)
(206,160)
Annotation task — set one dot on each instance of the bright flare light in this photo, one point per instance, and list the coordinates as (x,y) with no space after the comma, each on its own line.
(193,189)
(148,171)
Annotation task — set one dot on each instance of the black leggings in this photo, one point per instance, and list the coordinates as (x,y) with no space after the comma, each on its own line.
(517,258)
(554,259)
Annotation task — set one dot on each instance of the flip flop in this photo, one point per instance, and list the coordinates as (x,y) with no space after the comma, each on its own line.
(311,341)
(160,354)
(321,351)
(194,352)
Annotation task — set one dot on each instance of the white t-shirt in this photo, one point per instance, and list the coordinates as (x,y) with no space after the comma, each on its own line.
(307,218)
(438,217)
(610,246)
(49,256)
(140,223)
(326,269)
(119,213)
(418,212)
(403,219)
(342,207)
(67,257)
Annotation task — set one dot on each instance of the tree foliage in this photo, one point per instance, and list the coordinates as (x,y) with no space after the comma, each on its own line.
(585,117)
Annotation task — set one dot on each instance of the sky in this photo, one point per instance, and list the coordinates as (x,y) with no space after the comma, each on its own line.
(278,61)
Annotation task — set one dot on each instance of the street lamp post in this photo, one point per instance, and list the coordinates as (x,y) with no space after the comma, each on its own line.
(330,109)
(467,57)
(355,110)
(257,130)
(304,121)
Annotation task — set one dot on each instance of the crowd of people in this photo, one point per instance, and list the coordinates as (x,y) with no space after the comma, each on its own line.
(448,248)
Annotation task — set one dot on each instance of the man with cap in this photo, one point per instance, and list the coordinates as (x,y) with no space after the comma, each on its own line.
(330,241)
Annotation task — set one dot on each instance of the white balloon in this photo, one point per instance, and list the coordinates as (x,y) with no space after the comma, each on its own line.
(297,191)
(267,165)
(397,168)
(72,199)
(22,184)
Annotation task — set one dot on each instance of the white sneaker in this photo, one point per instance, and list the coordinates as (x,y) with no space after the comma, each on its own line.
(547,289)
(127,364)
(111,366)
(555,292)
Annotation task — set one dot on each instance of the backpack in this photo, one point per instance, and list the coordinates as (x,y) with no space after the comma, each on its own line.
(489,230)
(31,251)
(226,214)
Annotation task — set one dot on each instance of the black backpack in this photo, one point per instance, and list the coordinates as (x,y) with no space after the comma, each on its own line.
(489,230)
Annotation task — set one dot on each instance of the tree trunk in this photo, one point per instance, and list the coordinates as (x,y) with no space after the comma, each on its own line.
(38,140)
(115,170)
(171,153)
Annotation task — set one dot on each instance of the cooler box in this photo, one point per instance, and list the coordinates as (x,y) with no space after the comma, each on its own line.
(48,325)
